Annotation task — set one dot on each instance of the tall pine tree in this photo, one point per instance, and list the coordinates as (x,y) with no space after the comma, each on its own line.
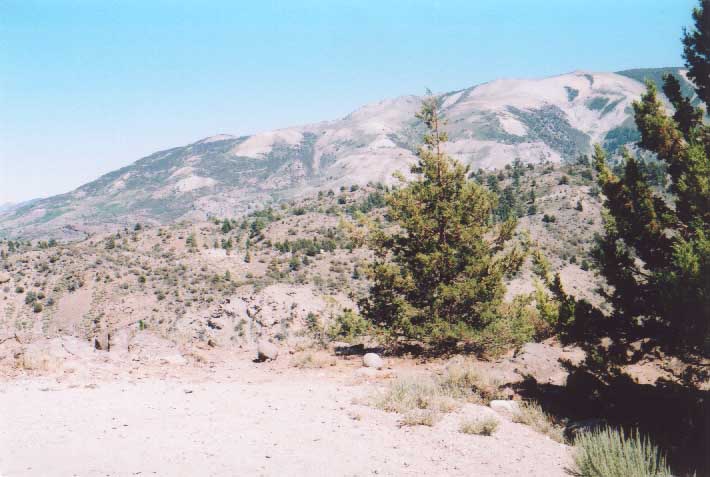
(439,274)
(656,252)
(696,50)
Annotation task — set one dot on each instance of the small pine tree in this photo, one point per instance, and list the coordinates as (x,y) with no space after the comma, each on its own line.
(294,264)
(440,275)
(191,242)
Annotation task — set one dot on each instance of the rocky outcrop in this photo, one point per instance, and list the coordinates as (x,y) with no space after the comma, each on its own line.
(542,362)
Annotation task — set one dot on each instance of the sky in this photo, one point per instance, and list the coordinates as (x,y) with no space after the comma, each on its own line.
(88,86)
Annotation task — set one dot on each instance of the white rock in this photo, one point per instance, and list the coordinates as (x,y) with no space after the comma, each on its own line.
(372,360)
(266,351)
(504,407)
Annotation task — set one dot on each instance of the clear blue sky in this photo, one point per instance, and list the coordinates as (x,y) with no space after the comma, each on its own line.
(89,86)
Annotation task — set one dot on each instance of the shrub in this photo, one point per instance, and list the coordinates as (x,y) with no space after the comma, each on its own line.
(313,324)
(420,418)
(531,414)
(407,394)
(518,322)
(611,453)
(313,360)
(464,381)
(459,382)
(30,298)
(37,307)
(480,427)
(348,326)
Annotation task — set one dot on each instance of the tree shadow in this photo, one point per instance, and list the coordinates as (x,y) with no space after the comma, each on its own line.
(674,416)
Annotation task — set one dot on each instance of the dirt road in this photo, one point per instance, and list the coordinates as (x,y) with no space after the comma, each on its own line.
(244,418)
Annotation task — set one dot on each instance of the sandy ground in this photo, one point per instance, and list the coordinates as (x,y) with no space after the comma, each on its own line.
(244,418)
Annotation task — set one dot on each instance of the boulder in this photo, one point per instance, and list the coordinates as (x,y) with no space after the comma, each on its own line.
(267,351)
(505,407)
(372,360)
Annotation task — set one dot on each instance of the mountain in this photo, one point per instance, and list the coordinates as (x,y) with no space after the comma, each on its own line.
(555,119)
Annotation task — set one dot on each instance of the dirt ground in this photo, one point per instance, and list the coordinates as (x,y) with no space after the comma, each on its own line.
(237,417)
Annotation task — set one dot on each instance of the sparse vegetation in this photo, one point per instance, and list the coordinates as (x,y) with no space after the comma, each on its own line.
(531,414)
(348,326)
(313,360)
(480,427)
(420,417)
(458,383)
(612,453)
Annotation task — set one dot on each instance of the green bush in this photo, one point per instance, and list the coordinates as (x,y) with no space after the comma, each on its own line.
(348,326)
(611,453)
(517,322)
(30,298)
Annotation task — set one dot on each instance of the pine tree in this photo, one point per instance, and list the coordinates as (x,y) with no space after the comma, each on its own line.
(696,50)
(656,252)
(439,275)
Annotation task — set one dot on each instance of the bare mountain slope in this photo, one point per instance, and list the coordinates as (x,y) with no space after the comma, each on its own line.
(489,125)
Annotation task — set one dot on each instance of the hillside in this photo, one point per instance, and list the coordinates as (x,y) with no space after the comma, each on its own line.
(228,281)
(551,119)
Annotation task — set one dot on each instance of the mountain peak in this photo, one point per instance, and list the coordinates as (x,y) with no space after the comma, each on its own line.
(489,125)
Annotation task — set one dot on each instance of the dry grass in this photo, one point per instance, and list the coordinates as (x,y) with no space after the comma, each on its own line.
(408,393)
(435,394)
(465,381)
(312,361)
(480,427)
(420,417)
(531,414)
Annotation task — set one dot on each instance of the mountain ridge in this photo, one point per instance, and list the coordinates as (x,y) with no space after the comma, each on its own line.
(490,124)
